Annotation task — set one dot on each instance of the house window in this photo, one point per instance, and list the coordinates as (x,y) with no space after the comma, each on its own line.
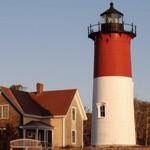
(30,133)
(73,136)
(73,113)
(4,111)
(101,110)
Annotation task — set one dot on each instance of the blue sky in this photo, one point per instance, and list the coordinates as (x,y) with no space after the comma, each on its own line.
(46,41)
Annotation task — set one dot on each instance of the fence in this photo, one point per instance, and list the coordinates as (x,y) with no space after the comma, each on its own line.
(25,144)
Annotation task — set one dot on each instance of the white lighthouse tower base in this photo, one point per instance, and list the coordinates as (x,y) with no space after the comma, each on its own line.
(113,111)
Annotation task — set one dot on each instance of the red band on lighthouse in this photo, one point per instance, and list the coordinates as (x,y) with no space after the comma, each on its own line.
(112,55)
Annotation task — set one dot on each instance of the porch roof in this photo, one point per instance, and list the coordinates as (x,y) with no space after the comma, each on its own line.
(36,125)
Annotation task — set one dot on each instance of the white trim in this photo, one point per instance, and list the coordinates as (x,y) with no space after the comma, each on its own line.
(80,105)
(75,131)
(36,116)
(58,116)
(34,127)
(70,104)
(63,132)
(2,111)
(82,135)
(43,117)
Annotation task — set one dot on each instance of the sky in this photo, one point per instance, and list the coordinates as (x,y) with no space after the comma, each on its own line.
(47,41)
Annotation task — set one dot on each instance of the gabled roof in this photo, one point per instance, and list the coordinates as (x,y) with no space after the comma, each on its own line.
(24,102)
(48,103)
(56,102)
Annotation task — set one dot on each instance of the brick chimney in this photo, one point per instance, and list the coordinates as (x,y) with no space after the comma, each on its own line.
(39,88)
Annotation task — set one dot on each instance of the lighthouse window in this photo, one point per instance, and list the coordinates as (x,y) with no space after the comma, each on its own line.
(101,110)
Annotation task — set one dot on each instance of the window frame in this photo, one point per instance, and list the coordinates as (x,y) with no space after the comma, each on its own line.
(74,139)
(101,110)
(2,116)
(73,116)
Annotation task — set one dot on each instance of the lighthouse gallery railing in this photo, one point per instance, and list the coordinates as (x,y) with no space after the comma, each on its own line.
(129,28)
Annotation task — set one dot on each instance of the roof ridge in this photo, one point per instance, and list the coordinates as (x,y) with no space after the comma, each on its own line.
(75,89)
(71,89)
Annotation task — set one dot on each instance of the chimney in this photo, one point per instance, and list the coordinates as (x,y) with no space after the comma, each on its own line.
(39,88)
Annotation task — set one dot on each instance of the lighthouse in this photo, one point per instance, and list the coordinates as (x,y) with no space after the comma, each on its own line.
(113,108)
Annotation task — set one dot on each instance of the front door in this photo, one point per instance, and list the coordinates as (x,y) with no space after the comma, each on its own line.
(49,138)
(45,139)
(41,135)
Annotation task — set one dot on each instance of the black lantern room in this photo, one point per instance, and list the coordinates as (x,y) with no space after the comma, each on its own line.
(112,20)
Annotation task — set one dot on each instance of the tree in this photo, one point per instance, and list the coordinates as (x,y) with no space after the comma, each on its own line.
(10,133)
(141,121)
(18,87)
(87,130)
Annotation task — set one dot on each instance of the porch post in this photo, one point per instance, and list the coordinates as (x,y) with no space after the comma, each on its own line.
(36,135)
(45,137)
(24,133)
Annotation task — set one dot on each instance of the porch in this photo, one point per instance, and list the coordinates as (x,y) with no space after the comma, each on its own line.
(39,131)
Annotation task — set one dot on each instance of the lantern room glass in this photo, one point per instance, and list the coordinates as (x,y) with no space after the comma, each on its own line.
(112,18)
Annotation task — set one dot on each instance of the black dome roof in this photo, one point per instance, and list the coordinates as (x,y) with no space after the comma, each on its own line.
(111,10)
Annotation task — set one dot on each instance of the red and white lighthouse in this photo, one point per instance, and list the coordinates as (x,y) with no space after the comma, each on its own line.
(113,109)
